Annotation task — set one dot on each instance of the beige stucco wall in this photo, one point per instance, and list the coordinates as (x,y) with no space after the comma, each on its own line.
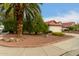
(55,28)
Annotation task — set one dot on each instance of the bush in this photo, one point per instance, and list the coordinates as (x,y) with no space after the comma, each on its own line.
(9,25)
(35,26)
(58,33)
(24,26)
(73,28)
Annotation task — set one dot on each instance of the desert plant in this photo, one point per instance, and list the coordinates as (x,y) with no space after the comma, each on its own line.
(58,33)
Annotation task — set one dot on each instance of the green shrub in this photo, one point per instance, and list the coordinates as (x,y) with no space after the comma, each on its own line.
(35,26)
(24,26)
(73,28)
(9,25)
(58,33)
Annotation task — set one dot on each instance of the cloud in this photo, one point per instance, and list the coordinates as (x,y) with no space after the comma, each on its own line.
(66,17)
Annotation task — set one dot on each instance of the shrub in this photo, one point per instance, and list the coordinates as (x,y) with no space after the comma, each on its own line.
(9,25)
(58,33)
(35,26)
(73,28)
(24,26)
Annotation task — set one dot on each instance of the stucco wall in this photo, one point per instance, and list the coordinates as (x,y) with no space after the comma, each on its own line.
(55,28)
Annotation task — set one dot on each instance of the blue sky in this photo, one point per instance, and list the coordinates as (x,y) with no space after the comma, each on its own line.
(62,11)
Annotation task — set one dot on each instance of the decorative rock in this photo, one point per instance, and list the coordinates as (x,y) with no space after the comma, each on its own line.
(6,39)
(1,38)
(12,39)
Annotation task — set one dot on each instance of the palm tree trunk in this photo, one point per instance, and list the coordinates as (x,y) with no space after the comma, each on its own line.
(19,18)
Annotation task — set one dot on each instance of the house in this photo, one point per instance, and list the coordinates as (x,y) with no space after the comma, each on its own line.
(54,26)
(66,25)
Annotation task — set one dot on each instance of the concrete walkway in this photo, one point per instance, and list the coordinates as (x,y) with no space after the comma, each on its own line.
(50,50)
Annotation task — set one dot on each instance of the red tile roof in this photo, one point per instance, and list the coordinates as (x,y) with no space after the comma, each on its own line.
(53,23)
(68,24)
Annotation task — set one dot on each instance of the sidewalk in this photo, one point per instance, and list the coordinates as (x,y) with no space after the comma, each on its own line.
(50,50)
(40,51)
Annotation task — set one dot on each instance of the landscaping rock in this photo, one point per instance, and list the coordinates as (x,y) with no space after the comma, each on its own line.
(12,39)
(9,39)
(1,38)
(6,39)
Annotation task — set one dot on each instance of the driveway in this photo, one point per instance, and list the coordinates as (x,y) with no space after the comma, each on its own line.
(49,50)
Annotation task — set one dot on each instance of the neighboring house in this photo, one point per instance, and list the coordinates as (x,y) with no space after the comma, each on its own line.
(66,25)
(54,26)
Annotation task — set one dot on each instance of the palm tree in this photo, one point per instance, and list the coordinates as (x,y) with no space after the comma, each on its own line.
(20,10)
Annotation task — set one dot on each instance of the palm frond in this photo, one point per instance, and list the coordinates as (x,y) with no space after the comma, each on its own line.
(32,9)
(9,9)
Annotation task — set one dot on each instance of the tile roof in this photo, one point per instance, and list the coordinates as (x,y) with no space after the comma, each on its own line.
(68,24)
(53,23)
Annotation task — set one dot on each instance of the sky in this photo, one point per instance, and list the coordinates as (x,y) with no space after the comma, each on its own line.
(60,12)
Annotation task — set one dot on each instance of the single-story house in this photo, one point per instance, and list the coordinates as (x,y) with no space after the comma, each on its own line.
(66,25)
(54,26)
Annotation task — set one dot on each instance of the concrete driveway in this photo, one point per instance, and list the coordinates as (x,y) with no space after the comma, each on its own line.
(50,50)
